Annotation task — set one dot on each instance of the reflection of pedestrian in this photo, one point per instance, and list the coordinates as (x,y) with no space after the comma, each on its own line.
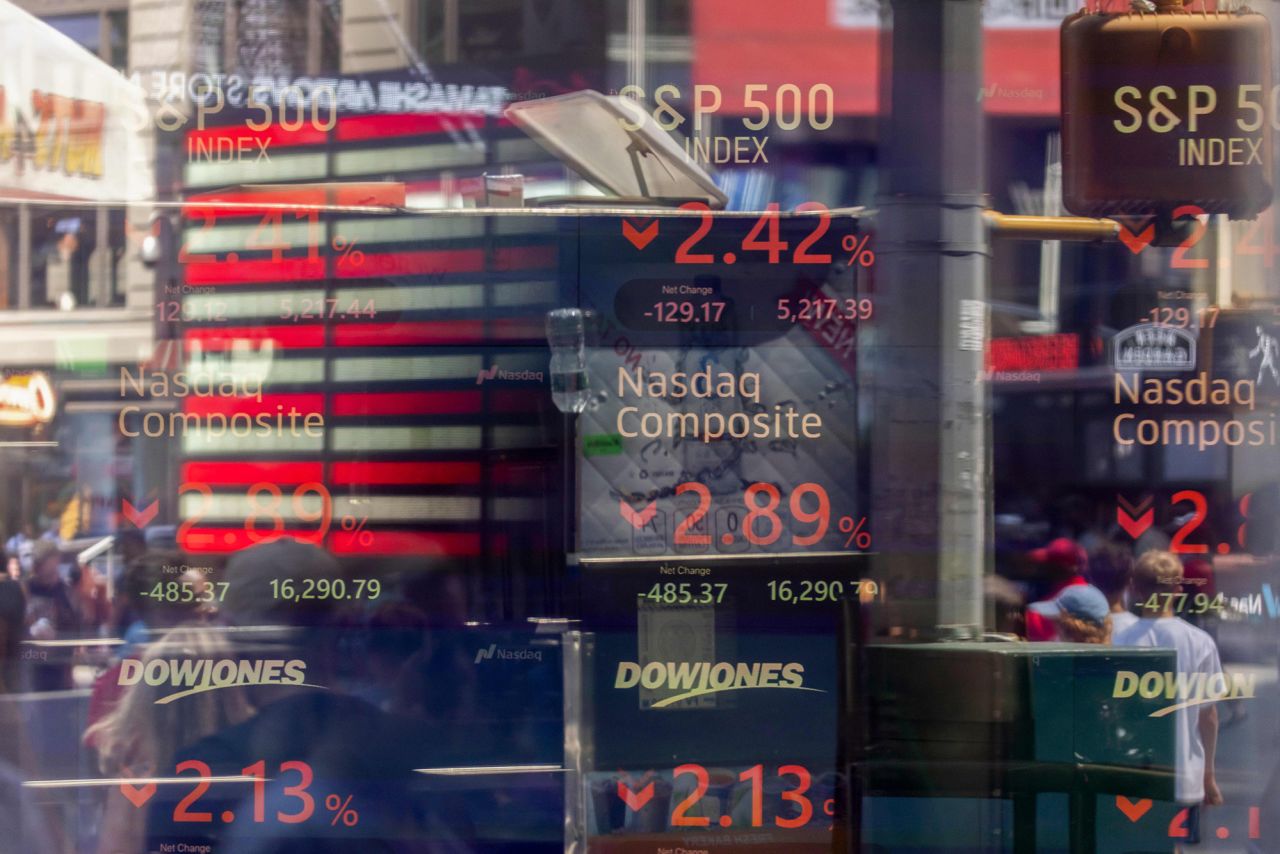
(139,736)
(22,546)
(89,593)
(1061,562)
(13,608)
(1196,728)
(27,826)
(50,616)
(140,617)
(308,730)
(1110,568)
(1081,612)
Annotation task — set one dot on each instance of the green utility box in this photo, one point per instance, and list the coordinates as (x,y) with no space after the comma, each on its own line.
(1015,701)
(985,723)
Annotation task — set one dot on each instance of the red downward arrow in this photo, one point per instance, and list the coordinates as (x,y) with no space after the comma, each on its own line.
(635,800)
(638,519)
(1137,241)
(138,795)
(637,237)
(1134,527)
(1133,810)
(139,518)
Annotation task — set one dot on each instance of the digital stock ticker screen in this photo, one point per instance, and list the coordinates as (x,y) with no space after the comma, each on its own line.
(639,426)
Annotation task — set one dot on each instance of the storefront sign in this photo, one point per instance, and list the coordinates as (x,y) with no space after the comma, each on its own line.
(26,400)
(1147,347)
(71,127)
(1060,352)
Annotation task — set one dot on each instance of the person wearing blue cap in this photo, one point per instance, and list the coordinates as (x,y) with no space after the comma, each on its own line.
(1082,613)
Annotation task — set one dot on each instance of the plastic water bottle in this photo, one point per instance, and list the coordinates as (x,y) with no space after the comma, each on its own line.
(566,333)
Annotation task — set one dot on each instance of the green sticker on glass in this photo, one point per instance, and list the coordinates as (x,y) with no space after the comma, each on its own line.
(602,445)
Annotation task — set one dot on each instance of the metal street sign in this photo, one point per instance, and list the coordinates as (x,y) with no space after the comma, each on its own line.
(1167,109)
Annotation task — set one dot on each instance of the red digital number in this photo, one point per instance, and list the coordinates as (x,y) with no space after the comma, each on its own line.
(824,222)
(180,812)
(755,776)
(258,771)
(1178,826)
(683,256)
(821,517)
(796,795)
(272,510)
(184,530)
(754,512)
(678,817)
(1176,544)
(683,537)
(775,245)
(324,516)
(207,219)
(299,791)
(1263,228)
(1180,261)
(1241,536)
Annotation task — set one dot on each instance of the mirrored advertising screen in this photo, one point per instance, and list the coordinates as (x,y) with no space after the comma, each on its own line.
(639,427)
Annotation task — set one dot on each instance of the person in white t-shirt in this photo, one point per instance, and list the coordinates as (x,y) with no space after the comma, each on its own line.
(1196,727)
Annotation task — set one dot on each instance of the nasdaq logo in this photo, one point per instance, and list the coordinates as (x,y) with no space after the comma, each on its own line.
(1252,606)
(504,654)
(494,372)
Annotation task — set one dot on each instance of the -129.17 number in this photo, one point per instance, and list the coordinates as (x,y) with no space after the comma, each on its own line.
(686,312)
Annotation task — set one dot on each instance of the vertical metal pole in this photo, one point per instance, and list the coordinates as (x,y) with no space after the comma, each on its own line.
(452,36)
(930,480)
(231,40)
(1051,250)
(637,42)
(104,37)
(24,255)
(100,285)
(315,39)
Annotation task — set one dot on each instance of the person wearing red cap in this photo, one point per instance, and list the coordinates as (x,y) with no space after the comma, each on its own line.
(1063,561)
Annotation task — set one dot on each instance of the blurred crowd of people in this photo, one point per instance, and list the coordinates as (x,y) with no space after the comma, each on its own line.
(378,674)
(1107,595)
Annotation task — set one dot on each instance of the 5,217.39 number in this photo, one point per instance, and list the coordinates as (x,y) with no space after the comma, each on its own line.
(823,308)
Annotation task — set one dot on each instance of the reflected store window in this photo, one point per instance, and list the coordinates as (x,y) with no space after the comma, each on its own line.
(638,427)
